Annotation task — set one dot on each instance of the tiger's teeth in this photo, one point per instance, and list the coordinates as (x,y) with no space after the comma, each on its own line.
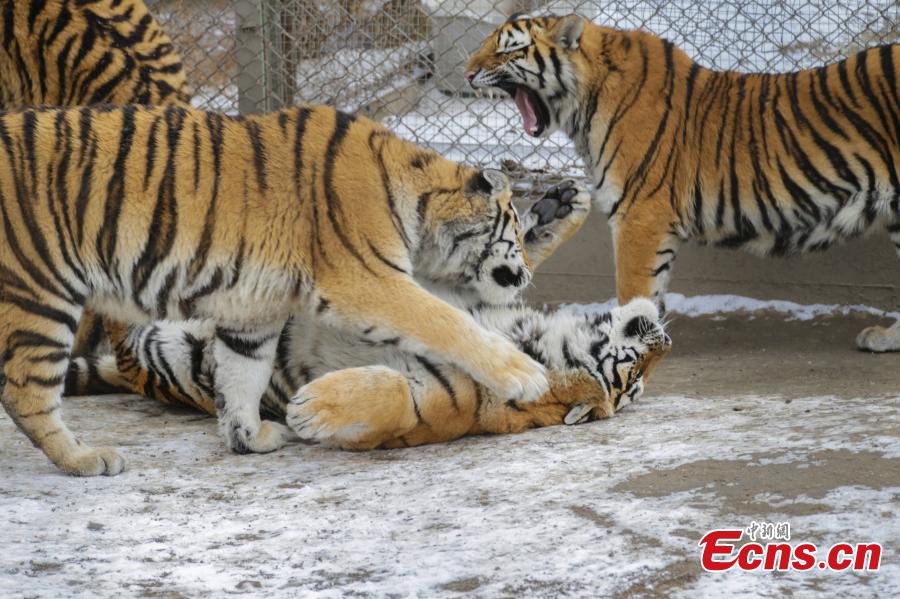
(578,414)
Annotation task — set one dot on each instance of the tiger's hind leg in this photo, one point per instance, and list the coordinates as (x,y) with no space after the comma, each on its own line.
(645,246)
(883,339)
(879,339)
(354,408)
(36,361)
(90,335)
(170,361)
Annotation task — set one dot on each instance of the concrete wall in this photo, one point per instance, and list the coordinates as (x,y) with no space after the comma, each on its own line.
(863,271)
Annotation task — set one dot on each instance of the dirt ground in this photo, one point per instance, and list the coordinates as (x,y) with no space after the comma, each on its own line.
(749,419)
(768,355)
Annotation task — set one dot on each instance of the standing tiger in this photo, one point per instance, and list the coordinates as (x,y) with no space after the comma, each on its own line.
(78,52)
(777,163)
(151,213)
(356,394)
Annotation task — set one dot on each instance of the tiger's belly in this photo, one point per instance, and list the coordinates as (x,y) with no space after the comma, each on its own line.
(260,296)
(798,228)
(315,348)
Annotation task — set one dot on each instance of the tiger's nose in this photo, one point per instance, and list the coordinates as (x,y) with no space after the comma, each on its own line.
(470,77)
(505,277)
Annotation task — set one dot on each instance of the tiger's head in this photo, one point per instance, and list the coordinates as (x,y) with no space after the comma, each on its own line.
(472,238)
(539,62)
(619,349)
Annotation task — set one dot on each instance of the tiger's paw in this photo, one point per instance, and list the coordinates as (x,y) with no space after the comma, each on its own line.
(879,339)
(89,461)
(314,418)
(511,374)
(566,202)
(269,437)
(356,408)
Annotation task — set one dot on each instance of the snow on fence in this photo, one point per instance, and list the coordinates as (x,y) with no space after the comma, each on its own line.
(400,61)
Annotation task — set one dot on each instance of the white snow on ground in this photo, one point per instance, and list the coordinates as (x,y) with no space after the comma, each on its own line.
(560,510)
(708,305)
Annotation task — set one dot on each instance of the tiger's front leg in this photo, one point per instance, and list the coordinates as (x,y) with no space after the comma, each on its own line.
(568,390)
(244,360)
(397,309)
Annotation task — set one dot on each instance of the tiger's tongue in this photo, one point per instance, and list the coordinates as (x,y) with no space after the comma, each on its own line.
(526,108)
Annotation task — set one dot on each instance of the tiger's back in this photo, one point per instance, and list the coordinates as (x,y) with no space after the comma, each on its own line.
(76,52)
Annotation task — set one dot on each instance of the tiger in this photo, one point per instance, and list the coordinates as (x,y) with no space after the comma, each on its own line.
(78,52)
(155,213)
(777,163)
(337,388)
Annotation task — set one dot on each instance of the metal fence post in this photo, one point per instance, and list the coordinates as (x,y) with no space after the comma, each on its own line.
(250,55)
(278,54)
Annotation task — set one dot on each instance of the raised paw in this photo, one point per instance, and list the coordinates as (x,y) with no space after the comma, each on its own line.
(356,408)
(89,461)
(879,339)
(558,203)
(512,374)
(269,437)
(554,219)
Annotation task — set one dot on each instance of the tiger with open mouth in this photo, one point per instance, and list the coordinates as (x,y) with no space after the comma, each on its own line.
(777,163)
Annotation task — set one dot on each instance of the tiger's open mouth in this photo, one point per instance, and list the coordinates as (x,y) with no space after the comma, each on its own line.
(535,115)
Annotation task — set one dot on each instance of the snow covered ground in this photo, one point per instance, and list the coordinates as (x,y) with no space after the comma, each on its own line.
(719,306)
(784,424)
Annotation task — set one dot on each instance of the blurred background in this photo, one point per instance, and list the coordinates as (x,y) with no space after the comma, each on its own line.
(400,61)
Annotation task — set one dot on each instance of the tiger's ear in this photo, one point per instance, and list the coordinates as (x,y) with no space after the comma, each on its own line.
(488,182)
(567,31)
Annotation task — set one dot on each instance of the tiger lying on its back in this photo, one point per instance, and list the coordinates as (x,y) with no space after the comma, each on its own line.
(148,213)
(77,52)
(778,163)
(354,393)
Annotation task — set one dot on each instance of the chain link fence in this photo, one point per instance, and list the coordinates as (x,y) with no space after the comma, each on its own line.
(400,61)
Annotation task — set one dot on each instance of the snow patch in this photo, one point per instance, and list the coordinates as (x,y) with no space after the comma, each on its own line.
(710,305)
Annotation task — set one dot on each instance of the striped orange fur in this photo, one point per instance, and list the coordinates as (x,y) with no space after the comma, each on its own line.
(147,213)
(776,163)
